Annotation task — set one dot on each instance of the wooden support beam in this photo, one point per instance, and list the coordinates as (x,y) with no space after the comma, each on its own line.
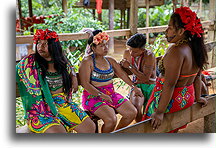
(147,20)
(175,120)
(111,25)
(64,6)
(30,14)
(133,16)
(20,14)
(212,30)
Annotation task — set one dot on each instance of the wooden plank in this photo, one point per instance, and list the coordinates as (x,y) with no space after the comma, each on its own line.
(142,4)
(173,120)
(209,124)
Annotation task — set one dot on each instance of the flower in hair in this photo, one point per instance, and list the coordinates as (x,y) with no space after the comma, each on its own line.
(189,18)
(44,35)
(100,38)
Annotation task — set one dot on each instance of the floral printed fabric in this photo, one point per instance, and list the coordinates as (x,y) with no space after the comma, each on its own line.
(92,103)
(183,97)
(69,115)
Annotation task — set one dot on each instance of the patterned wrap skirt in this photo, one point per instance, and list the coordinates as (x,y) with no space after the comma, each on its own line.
(92,103)
(40,117)
(183,97)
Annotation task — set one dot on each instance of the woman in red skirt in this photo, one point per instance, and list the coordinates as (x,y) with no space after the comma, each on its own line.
(179,83)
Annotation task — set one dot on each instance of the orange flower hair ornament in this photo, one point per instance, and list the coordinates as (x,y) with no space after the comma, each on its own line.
(100,38)
(44,35)
(189,18)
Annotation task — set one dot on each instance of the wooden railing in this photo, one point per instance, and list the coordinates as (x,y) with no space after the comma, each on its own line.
(178,119)
(112,33)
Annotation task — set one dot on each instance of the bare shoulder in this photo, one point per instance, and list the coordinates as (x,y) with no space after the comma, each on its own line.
(87,60)
(178,52)
(111,59)
(149,55)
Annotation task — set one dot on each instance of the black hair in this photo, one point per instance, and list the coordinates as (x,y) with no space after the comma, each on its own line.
(137,41)
(60,63)
(196,43)
(94,33)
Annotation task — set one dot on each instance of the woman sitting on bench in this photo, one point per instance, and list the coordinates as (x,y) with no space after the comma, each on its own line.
(179,68)
(99,97)
(46,80)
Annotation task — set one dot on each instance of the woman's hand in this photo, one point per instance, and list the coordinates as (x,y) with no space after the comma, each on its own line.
(124,63)
(74,84)
(107,98)
(203,101)
(137,91)
(157,119)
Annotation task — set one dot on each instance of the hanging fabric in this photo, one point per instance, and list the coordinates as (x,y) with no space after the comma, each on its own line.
(99,6)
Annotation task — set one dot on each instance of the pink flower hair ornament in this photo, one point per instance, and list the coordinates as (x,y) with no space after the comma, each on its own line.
(100,38)
(44,35)
(189,18)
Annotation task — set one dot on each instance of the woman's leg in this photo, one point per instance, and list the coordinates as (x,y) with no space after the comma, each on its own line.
(128,112)
(87,126)
(56,129)
(107,114)
(137,101)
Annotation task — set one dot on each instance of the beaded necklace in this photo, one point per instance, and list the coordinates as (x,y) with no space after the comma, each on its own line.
(55,80)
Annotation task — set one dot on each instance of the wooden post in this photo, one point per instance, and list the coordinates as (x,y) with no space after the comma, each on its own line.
(133,16)
(211,31)
(128,18)
(121,21)
(174,5)
(147,20)
(93,13)
(111,25)
(30,14)
(124,20)
(20,15)
(100,17)
(200,9)
(64,6)
(209,123)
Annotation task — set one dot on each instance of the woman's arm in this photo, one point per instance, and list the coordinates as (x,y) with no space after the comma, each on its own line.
(123,75)
(84,75)
(173,63)
(147,68)
(197,87)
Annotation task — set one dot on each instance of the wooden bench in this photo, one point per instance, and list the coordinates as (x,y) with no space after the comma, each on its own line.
(178,119)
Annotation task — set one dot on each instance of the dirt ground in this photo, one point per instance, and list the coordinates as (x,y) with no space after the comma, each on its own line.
(193,127)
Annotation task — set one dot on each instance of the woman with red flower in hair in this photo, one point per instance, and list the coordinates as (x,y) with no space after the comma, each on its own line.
(96,76)
(46,81)
(179,83)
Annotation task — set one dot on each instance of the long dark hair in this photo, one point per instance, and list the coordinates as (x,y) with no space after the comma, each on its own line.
(196,43)
(60,63)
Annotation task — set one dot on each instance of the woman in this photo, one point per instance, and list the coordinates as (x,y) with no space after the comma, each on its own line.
(99,97)
(46,80)
(141,63)
(180,68)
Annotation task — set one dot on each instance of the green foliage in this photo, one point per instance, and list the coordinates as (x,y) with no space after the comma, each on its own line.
(159,46)
(73,22)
